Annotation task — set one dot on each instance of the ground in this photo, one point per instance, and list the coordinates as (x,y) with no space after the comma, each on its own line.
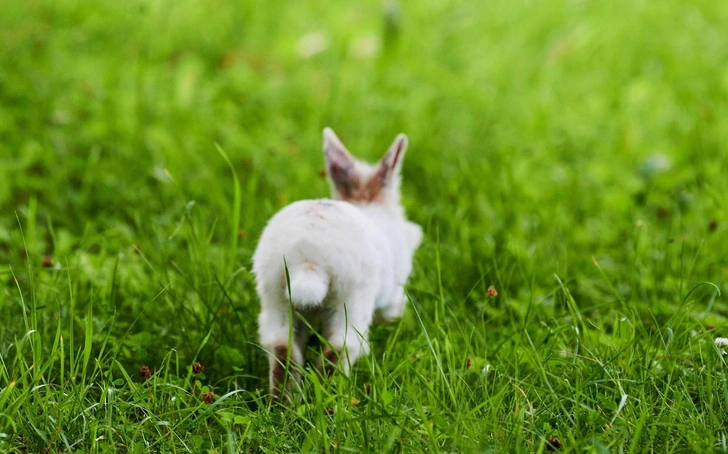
(570,154)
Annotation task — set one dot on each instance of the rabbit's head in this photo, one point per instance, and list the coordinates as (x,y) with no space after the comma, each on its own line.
(361,183)
(368,185)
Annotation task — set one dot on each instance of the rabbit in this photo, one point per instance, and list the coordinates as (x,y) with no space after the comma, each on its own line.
(347,260)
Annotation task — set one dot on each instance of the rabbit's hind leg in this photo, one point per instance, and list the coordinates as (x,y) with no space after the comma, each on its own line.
(347,329)
(285,354)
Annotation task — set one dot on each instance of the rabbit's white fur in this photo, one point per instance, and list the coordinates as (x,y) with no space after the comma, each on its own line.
(347,259)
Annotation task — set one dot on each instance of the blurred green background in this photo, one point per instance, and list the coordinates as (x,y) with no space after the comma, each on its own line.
(545,138)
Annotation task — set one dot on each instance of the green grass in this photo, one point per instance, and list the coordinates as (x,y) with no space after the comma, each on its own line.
(570,153)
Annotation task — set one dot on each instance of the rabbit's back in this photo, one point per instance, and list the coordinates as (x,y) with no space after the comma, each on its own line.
(331,235)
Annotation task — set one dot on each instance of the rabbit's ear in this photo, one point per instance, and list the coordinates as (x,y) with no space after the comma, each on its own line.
(391,163)
(340,165)
(396,152)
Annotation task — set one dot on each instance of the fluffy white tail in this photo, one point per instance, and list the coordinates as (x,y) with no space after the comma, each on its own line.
(309,285)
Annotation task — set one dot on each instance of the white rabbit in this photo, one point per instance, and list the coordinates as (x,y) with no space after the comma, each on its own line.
(347,260)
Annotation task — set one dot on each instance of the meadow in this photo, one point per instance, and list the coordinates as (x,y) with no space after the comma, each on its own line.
(569,154)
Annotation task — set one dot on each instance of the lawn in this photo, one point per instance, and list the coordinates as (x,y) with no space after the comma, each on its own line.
(571,154)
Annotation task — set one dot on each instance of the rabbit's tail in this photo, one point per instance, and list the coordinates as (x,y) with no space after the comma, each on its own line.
(309,285)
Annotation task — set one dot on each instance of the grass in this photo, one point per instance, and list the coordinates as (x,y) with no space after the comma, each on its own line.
(572,154)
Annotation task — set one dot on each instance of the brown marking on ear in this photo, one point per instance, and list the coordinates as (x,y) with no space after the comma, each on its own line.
(340,164)
(370,191)
(347,185)
(278,371)
(401,145)
(348,182)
